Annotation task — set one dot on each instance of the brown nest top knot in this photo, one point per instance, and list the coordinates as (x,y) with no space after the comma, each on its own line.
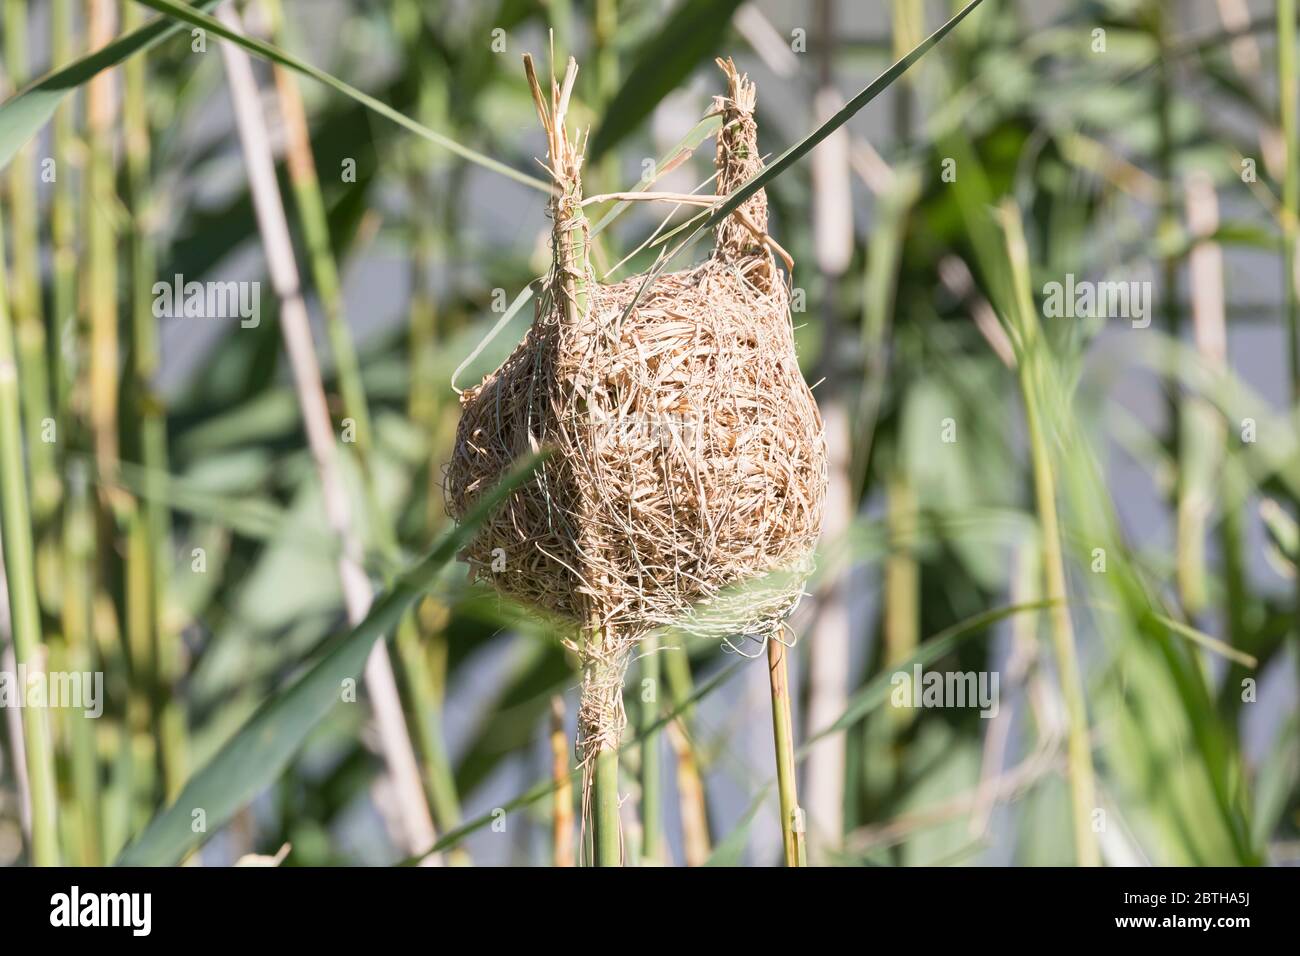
(689,471)
(737,160)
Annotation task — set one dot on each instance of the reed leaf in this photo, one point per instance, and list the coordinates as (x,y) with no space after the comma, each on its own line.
(259,752)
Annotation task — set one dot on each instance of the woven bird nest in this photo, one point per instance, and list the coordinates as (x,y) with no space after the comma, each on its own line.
(689,466)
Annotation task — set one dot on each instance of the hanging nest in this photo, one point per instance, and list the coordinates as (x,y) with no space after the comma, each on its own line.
(689,466)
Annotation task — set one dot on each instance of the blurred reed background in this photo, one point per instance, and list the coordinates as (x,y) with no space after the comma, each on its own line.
(1100,512)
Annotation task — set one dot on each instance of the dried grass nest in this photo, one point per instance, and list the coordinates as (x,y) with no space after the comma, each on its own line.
(689,454)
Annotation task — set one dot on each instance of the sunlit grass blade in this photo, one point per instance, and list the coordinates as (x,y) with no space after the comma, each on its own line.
(31,108)
(1034,366)
(266,51)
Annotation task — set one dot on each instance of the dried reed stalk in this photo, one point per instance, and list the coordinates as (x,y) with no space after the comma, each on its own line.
(416,823)
(562,813)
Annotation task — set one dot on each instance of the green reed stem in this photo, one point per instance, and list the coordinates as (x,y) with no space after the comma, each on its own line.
(607,837)
(29,649)
(609,848)
(63,221)
(1033,369)
(152,707)
(78,634)
(792,836)
(101,253)
(651,754)
(25,294)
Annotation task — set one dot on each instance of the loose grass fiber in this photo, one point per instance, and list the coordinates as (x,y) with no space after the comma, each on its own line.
(689,452)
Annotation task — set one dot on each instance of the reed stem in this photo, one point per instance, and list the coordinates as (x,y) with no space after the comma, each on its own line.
(101,249)
(792,830)
(1033,370)
(608,836)
(63,222)
(90,841)
(310,203)
(602,772)
(570,278)
(431,209)
(25,292)
(20,570)
(157,714)
(562,814)
(78,634)
(416,822)
(651,755)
